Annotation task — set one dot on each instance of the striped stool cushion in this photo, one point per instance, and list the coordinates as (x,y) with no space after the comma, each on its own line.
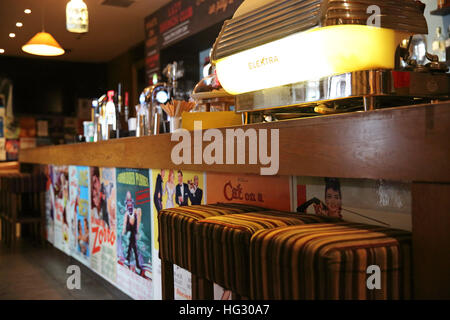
(326,261)
(175,229)
(223,243)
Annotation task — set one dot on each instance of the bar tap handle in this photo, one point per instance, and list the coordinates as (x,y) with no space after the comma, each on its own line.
(173,71)
(174,83)
(119,111)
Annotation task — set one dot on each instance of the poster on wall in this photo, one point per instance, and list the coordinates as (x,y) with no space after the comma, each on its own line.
(134,239)
(103,222)
(222,294)
(12,147)
(79,204)
(2,149)
(271,192)
(61,199)
(72,207)
(375,202)
(174,188)
(49,204)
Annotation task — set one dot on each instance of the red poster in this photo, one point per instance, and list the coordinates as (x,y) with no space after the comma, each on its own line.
(266,191)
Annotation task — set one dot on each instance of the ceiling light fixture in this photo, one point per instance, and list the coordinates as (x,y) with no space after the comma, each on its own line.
(12,35)
(27,11)
(77,17)
(19,24)
(43,44)
(2,51)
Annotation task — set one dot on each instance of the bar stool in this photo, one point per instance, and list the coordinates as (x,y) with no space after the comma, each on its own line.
(23,199)
(176,243)
(223,244)
(326,261)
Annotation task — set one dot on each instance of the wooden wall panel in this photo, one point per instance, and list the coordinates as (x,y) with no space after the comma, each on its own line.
(431,240)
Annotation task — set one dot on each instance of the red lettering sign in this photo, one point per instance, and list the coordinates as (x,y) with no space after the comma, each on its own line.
(186,14)
(174,9)
(102,235)
(232,193)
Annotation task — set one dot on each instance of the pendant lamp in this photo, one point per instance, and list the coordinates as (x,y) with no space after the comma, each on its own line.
(43,44)
(77,18)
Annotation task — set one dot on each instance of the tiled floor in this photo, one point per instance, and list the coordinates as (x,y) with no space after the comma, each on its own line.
(38,273)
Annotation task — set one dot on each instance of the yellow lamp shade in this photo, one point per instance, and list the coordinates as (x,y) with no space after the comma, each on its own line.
(43,44)
(309,55)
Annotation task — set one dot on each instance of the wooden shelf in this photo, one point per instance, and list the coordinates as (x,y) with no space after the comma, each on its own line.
(402,144)
(441,12)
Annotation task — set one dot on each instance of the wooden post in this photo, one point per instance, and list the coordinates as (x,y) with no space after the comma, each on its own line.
(431,240)
(167,280)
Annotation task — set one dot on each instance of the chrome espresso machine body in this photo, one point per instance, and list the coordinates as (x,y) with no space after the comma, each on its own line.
(293,58)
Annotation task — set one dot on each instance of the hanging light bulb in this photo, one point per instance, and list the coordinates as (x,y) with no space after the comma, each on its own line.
(77,18)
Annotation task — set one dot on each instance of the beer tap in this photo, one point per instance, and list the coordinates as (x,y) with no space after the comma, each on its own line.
(153,97)
(174,71)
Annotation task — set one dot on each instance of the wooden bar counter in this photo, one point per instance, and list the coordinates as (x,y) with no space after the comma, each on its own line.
(410,144)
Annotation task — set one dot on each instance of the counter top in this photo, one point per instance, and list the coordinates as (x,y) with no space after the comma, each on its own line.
(403,144)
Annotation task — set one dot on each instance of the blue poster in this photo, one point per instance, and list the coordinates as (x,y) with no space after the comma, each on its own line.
(134,253)
(79,204)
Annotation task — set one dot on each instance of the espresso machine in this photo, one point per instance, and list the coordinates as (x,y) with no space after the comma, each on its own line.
(295,58)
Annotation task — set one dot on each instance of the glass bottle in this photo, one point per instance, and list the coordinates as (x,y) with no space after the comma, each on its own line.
(447,46)
(439,45)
